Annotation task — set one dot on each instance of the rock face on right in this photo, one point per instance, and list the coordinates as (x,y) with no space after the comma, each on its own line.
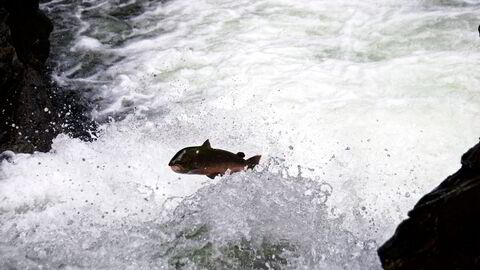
(443,229)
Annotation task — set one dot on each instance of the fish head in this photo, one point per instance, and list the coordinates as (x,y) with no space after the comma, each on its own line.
(185,160)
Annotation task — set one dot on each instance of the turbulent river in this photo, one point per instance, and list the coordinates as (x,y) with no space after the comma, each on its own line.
(358,108)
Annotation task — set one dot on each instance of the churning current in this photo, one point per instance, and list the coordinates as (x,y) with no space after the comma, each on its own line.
(358,108)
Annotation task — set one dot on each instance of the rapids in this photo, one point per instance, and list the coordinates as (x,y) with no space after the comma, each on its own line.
(358,108)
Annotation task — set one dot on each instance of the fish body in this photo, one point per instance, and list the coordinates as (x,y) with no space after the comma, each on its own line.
(211,162)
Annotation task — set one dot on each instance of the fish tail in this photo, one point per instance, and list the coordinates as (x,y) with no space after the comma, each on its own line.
(253,161)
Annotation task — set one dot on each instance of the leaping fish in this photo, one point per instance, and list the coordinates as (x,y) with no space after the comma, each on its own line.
(211,162)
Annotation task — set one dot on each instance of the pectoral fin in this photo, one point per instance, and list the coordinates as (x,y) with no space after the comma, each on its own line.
(211,176)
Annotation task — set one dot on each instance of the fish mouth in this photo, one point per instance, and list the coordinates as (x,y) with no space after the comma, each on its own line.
(177,168)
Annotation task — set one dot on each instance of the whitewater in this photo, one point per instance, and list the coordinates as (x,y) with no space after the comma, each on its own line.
(357,107)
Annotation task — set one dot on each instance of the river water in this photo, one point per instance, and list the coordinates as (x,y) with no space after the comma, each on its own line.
(357,107)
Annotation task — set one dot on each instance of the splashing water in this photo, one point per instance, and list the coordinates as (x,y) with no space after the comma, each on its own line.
(357,107)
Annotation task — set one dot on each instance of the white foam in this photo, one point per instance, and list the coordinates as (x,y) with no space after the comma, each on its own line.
(87,44)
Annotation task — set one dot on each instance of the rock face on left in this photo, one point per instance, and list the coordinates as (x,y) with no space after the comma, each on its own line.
(29,118)
(25,98)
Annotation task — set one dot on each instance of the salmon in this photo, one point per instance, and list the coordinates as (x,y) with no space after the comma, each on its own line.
(211,162)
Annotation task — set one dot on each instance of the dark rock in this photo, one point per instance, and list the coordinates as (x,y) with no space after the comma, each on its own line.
(443,229)
(32,111)
(29,31)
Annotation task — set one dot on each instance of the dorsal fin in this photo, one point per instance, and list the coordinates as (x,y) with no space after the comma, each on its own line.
(206,144)
(241,154)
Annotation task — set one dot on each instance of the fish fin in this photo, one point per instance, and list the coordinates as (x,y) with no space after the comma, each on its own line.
(241,154)
(211,176)
(206,144)
(253,161)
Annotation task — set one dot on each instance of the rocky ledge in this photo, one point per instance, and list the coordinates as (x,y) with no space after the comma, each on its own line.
(32,109)
(443,229)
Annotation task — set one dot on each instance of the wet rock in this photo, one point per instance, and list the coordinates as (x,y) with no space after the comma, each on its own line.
(443,229)
(31,109)
(242,254)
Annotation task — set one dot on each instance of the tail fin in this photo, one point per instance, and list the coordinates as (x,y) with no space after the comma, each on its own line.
(253,161)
